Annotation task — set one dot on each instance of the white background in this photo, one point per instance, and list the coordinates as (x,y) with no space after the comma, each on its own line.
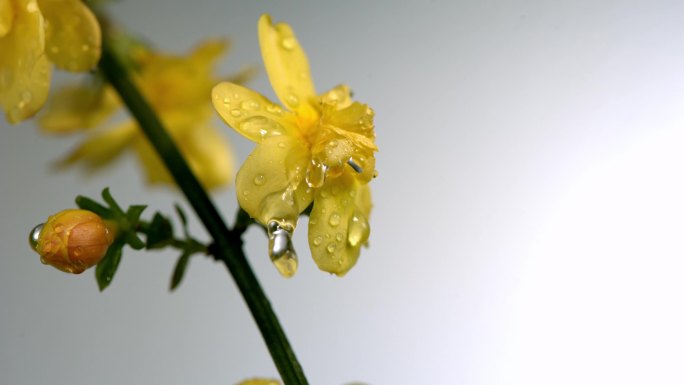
(528,212)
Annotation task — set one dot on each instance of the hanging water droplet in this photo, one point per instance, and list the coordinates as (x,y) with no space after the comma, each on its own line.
(288,43)
(334,219)
(259,180)
(280,249)
(34,235)
(315,174)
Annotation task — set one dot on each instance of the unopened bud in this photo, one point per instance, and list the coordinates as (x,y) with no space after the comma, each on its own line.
(72,240)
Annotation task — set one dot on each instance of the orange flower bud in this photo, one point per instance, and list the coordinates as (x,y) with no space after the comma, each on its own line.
(72,240)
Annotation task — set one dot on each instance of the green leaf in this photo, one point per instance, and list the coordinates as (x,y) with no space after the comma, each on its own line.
(160,232)
(86,203)
(179,271)
(133,214)
(106,268)
(107,196)
(134,241)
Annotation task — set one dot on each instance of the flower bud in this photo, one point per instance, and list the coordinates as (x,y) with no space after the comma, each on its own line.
(72,240)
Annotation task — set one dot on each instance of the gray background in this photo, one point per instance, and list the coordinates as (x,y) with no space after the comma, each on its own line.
(527,225)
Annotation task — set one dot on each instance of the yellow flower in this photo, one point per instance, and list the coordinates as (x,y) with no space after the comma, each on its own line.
(178,89)
(33,34)
(259,381)
(319,149)
(72,240)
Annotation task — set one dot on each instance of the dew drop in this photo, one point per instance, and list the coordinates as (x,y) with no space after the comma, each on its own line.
(251,105)
(34,235)
(339,237)
(259,180)
(332,143)
(292,100)
(331,247)
(358,231)
(236,112)
(288,43)
(334,219)
(317,241)
(226,101)
(58,228)
(273,109)
(315,174)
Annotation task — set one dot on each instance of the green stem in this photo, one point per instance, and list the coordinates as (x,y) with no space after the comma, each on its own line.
(228,244)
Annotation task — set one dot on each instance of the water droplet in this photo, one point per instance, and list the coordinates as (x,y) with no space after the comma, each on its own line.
(332,143)
(281,145)
(358,231)
(273,109)
(375,173)
(292,100)
(259,180)
(236,96)
(339,237)
(317,240)
(58,228)
(260,126)
(288,43)
(331,247)
(236,112)
(315,174)
(226,101)
(334,219)
(251,105)
(280,249)
(34,235)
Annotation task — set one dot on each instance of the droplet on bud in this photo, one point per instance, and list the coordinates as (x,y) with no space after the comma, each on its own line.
(280,249)
(34,236)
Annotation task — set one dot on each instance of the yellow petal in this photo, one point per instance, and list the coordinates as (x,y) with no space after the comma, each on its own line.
(79,107)
(249,113)
(270,185)
(6,16)
(338,224)
(259,381)
(207,52)
(24,69)
(286,64)
(73,35)
(206,151)
(102,147)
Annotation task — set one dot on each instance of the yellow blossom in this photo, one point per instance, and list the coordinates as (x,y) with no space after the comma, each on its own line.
(318,149)
(72,240)
(259,381)
(33,34)
(178,89)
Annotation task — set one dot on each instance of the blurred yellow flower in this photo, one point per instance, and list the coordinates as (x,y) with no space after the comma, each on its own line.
(33,34)
(319,149)
(178,89)
(259,381)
